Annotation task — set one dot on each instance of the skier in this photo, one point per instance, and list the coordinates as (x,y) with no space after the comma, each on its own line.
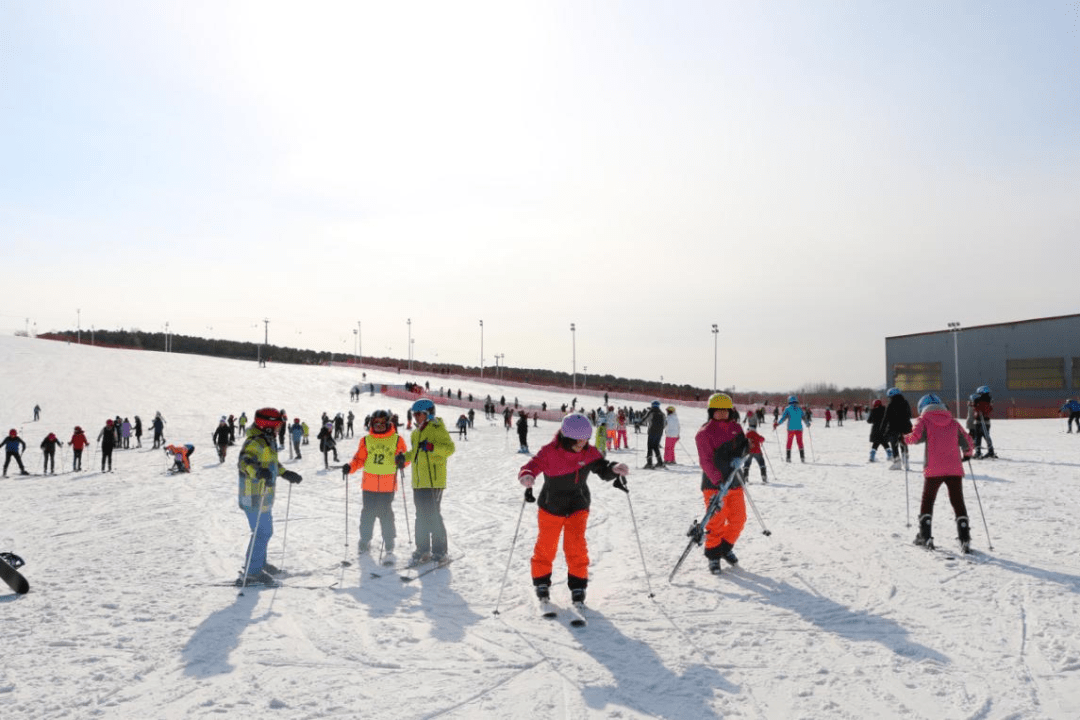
(37,413)
(722,448)
(232,429)
(158,424)
(138,431)
(945,441)
(1072,406)
(672,435)
(180,455)
(220,438)
(523,432)
(431,438)
(463,427)
(621,440)
(307,433)
(78,442)
(327,444)
(601,431)
(241,423)
(125,434)
(283,427)
(876,420)
(107,438)
(655,420)
(258,468)
(296,436)
(563,505)
(48,450)
(349,420)
(381,453)
(13,447)
(794,415)
(755,439)
(979,409)
(897,425)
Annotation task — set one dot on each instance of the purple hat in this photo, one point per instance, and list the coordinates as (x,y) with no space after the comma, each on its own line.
(576,427)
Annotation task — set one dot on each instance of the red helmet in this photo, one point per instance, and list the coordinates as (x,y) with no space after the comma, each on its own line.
(12,432)
(78,429)
(267,419)
(108,422)
(877,403)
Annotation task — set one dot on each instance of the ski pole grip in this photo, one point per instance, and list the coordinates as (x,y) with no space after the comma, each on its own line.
(529,495)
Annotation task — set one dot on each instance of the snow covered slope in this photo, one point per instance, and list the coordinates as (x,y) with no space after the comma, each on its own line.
(835,615)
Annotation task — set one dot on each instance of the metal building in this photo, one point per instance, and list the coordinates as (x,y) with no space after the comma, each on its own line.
(1031,366)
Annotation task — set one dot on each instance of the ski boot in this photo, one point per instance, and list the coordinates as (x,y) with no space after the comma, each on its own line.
(271,569)
(648,465)
(577,595)
(963,534)
(726,552)
(363,547)
(714,566)
(802,455)
(543,593)
(924,538)
(764,479)
(872,454)
(788,458)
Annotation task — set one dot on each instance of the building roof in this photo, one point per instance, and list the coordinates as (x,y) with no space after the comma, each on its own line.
(990,325)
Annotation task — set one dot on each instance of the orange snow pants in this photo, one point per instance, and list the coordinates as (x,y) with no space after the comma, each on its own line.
(572,530)
(728,523)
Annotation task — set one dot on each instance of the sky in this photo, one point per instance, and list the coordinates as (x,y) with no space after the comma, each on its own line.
(810,177)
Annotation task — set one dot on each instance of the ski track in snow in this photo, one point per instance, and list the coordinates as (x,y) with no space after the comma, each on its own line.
(835,615)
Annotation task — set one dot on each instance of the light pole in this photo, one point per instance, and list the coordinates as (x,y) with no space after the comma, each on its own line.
(573,337)
(408,347)
(356,340)
(359,342)
(715,335)
(585,376)
(166,336)
(954,328)
(481,349)
(266,340)
(78,325)
(498,371)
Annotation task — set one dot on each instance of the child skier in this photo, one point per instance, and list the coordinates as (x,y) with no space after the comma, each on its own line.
(979,409)
(897,425)
(327,444)
(431,438)
(876,420)
(945,441)
(564,502)
(755,440)
(258,468)
(794,416)
(48,449)
(296,436)
(107,438)
(523,432)
(672,435)
(180,455)
(220,438)
(722,448)
(78,442)
(381,454)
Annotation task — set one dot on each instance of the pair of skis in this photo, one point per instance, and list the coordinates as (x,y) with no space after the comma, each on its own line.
(577,613)
(696,533)
(9,571)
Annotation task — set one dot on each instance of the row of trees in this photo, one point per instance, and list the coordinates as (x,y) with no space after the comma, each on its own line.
(615,385)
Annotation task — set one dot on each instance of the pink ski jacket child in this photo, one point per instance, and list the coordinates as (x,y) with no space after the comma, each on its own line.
(943,437)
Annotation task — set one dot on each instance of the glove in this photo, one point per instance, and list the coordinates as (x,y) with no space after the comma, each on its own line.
(774,426)
(345,469)
(529,497)
(292,477)
(620,469)
(264,474)
(620,483)
(399,460)
(427,446)
(527,480)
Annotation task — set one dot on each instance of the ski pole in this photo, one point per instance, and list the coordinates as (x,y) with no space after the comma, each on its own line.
(746,492)
(907,491)
(989,542)
(769,460)
(648,583)
(345,562)
(251,541)
(810,436)
(528,499)
(285,530)
(405,502)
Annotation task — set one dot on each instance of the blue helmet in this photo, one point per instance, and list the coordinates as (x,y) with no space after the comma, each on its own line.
(656,403)
(792,400)
(423,405)
(983,390)
(893,392)
(973,397)
(929,399)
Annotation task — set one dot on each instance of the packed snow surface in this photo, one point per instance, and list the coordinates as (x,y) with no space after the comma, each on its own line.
(835,615)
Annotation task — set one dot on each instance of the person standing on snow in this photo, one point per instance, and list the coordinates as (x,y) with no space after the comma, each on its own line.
(1072,407)
(722,449)
(523,432)
(258,469)
(158,424)
(220,438)
(945,442)
(672,435)
(794,415)
(107,438)
(876,419)
(13,447)
(979,411)
(897,425)
(78,442)
(327,444)
(138,431)
(242,424)
(430,447)
(563,505)
(755,439)
(48,449)
(381,453)
(125,434)
(654,418)
(296,436)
